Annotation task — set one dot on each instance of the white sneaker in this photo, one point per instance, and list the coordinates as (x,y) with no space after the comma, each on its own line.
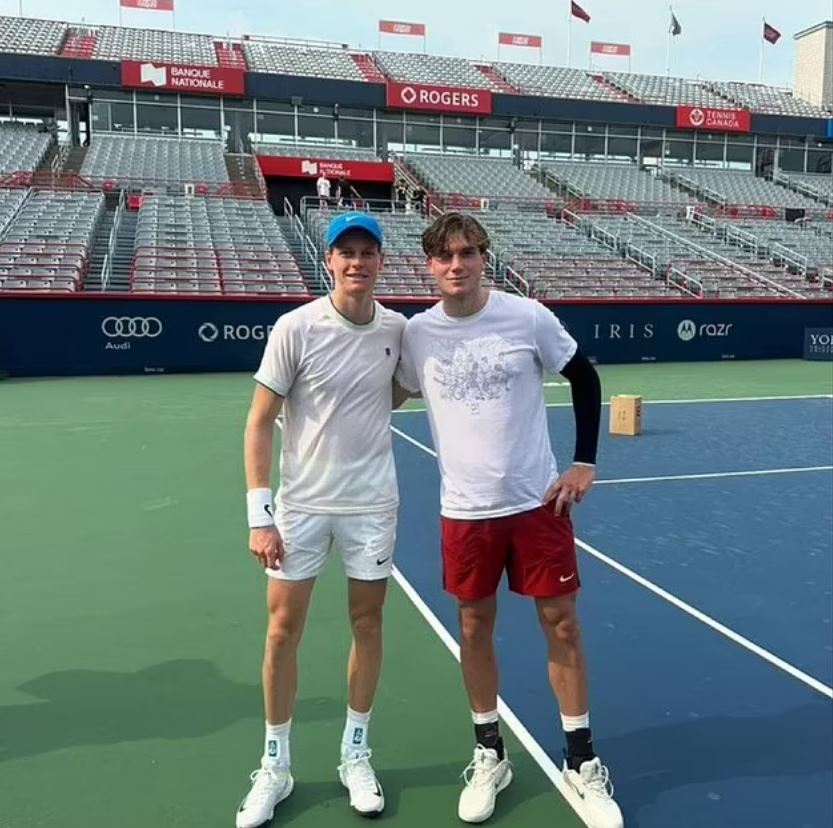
(590,792)
(486,776)
(269,787)
(358,776)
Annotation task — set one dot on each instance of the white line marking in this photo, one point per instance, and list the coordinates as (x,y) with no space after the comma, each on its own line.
(737,638)
(712,475)
(556,384)
(699,401)
(709,621)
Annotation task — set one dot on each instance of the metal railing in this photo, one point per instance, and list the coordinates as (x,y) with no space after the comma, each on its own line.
(107,264)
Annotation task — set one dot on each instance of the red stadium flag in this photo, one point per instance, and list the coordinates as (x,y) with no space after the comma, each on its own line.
(771,34)
(400,28)
(509,39)
(148,5)
(579,12)
(622,49)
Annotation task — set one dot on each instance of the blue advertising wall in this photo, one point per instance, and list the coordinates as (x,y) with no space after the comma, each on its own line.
(47,336)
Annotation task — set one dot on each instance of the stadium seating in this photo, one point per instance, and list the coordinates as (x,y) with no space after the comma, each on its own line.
(212,245)
(118,43)
(404,272)
(816,185)
(24,35)
(10,201)
(421,68)
(46,245)
(556,82)
(149,160)
(742,188)
(22,147)
(658,89)
(615,182)
(768,99)
(330,151)
(297,60)
(481,177)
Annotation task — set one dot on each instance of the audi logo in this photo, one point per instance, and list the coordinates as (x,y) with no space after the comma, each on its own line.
(137,327)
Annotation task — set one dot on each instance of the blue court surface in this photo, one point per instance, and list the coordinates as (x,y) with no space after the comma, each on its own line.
(706,609)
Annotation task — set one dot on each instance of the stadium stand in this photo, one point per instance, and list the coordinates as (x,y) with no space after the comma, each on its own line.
(741,188)
(615,182)
(556,82)
(148,160)
(817,186)
(22,147)
(25,35)
(657,89)
(421,68)
(10,201)
(767,99)
(333,151)
(118,43)
(46,245)
(280,59)
(212,245)
(481,177)
(554,261)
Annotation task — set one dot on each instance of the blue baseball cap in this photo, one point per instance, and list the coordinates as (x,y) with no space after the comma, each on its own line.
(353,221)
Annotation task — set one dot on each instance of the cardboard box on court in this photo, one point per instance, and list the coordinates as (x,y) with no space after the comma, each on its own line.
(626,415)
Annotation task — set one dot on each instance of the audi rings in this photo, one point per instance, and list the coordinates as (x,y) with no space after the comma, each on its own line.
(137,327)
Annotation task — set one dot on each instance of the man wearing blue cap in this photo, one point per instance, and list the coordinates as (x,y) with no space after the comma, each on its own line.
(328,366)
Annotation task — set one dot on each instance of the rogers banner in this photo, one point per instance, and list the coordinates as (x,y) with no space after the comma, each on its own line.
(509,39)
(439,98)
(285,167)
(714,120)
(397,27)
(622,49)
(177,77)
(148,5)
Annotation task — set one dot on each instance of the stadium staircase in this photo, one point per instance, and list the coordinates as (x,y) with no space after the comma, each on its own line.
(78,44)
(612,87)
(496,79)
(100,245)
(299,247)
(242,168)
(230,55)
(75,159)
(368,68)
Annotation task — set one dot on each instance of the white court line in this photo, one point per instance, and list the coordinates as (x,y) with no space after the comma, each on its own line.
(713,475)
(737,638)
(556,384)
(695,401)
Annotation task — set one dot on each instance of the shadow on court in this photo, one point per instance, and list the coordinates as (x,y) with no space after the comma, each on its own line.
(648,763)
(174,700)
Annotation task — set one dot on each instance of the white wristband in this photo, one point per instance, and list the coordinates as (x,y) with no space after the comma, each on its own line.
(260,508)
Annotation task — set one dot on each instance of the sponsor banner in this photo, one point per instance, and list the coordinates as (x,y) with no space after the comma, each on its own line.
(620,49)
(139,335)
(148,5)
(714,120)
(509,39)
(177,77)
(818,344)
(285,167)
(439,98)
(400,28)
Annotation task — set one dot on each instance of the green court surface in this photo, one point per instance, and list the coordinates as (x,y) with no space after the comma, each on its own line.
(132,616)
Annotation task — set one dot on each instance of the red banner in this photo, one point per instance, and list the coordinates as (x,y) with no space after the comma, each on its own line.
(620,49)
(177,77)
(399,28)
(714,120)
(509,39)
(439,98)
(284,167)
(148,5)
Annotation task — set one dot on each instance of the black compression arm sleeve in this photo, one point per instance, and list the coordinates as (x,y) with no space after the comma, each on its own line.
(587,405)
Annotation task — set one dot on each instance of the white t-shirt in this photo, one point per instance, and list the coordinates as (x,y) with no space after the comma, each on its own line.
(336,453)
(482,380)
(323,185)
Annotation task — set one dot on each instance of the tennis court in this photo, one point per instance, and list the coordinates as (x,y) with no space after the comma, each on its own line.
(132,615)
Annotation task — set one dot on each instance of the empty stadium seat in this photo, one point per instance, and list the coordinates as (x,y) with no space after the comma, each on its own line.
(329,151)
(555,82)
(768,99)
(659,89)
(421,68)
(24,35)
(22,147)
(281,59)
(120,43)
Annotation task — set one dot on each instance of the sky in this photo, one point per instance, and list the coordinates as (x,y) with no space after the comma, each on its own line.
(721,39)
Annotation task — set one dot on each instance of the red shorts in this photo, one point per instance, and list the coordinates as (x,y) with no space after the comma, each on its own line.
(536,548)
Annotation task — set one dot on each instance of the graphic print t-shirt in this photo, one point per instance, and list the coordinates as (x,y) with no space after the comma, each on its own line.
(481,377)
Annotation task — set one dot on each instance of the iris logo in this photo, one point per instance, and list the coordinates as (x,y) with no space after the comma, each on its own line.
(686,330)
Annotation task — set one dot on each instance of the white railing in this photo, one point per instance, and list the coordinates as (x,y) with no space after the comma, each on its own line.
(681,280)
(107,264)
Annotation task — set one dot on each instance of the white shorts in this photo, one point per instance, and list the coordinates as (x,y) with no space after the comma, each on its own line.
(365,541)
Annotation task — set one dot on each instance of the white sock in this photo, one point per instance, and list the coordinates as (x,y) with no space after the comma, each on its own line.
(276,746)
(571,723)
(354,738)
(484,718)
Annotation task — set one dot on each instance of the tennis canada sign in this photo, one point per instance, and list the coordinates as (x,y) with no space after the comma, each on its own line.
(173,77)
(714,120)
(439,98)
